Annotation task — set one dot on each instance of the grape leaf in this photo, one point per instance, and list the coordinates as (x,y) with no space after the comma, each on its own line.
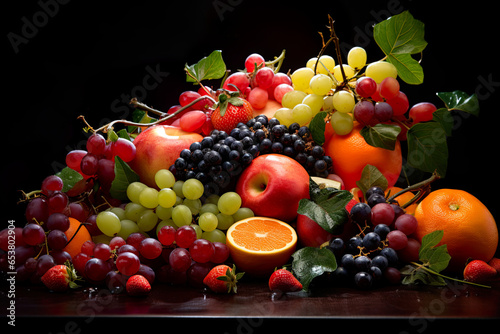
(371,177)
(124,175)
(70,177)
(458,100)
(326,207)
(310,262)
(317,128)
(399,37)
(427,147)
(210,67)
(381,135)
(436,258)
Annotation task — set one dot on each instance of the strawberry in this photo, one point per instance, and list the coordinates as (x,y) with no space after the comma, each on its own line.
(282,280)
(495,263)
(230,111)
(478,271)
(222,279)
(138,285)
(60,277)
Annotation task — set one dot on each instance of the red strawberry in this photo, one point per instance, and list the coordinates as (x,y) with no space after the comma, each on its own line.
(478,271)
(230,111)
(61,277)
(283,281)
(222,279)
(495,263)
(138,285)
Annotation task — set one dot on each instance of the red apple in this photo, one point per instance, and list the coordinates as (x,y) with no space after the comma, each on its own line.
(157,148)
(272,186)
(310,234)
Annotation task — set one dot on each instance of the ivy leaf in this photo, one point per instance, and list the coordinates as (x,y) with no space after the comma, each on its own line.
(381,135)
(399,37)
(124,175)
(326,207)
(211,67)
(427,147)
(317,128)
(70,177)
(445,119)
(458,100)
(436,257)
(371,177)
(310,262)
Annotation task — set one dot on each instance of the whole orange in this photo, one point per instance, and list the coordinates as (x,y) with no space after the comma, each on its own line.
(402,199)
(351,153)
(74,246)
(469,228)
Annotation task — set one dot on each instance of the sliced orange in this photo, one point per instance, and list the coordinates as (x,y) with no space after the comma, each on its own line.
(258,245)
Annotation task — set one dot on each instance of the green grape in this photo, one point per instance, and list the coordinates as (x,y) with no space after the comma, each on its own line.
(149,198)
(108,223)
(315,102)
(208,221)
(178,200)
(341,123)
(193,204)
(209,207)
(243,213)
(214,198)
(325,60)
(134,190)
(192,189)
(198,230)
(127,228)
(214,236)
(167,198)
(229,203)
(166,222)
(356,58)
(302,114)
(292,98)
(163,213)
(164,179)
(343,101)
(328,102)
(284,116)
(147,221)
(321,84)
(181,215)
(177,187)
(133,211)
(119,212)
(380,70)
(301,78)
(225,221)
(348,70)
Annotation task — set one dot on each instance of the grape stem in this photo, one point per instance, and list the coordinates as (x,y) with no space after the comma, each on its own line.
(142,106)
(423,188)
(278,60)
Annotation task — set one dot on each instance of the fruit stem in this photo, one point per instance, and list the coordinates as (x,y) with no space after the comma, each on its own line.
(423,188)
(447,277)
(105,128)
(278,60)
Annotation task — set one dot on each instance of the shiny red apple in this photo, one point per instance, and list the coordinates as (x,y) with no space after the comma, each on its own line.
(157,148)
(272,186)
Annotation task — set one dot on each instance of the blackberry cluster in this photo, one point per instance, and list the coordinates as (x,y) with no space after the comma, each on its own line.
(218,159)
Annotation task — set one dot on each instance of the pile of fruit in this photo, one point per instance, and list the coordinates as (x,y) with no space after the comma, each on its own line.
(287,177)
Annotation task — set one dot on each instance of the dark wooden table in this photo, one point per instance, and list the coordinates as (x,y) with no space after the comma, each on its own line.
(255,309)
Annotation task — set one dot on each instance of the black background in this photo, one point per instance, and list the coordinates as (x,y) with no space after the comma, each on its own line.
(84,57)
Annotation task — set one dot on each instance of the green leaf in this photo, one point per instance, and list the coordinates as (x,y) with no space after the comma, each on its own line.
(444,117)
(436,258)
(381,135)
(458,100)
(399,37)
(326,207)
(311,262)
(124,175)
(371,177)
(211,67)
(317,128)
(70,177)
(427,147)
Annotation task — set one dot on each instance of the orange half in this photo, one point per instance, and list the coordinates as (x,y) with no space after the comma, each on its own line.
(258,245)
